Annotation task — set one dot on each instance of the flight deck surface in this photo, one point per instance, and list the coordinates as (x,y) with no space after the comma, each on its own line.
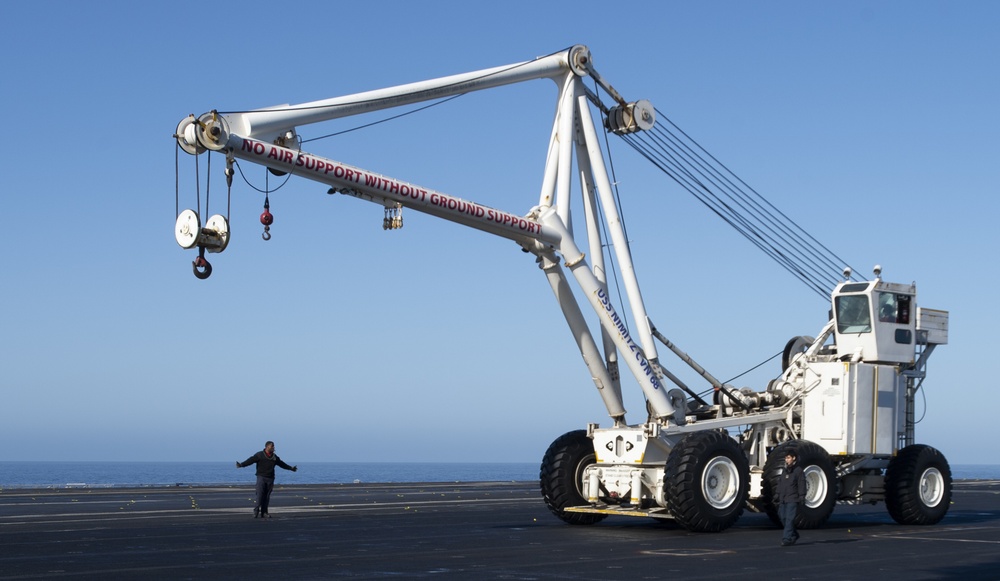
(484,530)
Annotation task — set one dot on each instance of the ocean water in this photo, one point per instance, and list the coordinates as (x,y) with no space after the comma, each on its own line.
(154,474)
(133,474)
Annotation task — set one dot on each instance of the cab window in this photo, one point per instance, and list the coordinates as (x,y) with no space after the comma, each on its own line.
(894,308)
(853,315)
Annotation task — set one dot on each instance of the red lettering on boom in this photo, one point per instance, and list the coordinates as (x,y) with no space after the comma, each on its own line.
(253,146)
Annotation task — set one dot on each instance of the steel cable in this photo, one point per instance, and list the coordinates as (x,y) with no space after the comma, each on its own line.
(736,203)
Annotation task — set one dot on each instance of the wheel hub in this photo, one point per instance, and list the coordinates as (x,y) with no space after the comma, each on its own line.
(931,487)
(815,486)
(720,483)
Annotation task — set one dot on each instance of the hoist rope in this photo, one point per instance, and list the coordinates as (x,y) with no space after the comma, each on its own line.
(604,227)
(610,260)
(197,183)
(229,191)
(743,208)
(208,181)
(177,180)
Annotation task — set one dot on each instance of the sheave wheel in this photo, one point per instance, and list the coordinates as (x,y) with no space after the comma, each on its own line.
(561,476)
(821,483)
(918,486)
(794,346)
(706,477)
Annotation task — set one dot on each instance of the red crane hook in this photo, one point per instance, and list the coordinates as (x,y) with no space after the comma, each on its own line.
(201,267)
(266,218)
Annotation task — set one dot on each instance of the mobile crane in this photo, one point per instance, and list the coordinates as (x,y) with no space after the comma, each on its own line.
(844,401)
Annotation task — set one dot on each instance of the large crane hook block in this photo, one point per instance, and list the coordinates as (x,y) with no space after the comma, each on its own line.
(189,233)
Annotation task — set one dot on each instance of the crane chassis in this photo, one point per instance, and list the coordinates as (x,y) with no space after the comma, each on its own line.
(844,400)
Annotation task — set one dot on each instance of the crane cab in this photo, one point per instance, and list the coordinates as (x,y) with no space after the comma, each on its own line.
(875,321)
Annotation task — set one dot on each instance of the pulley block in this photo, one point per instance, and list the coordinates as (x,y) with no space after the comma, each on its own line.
(632,117)
(208,132)
(213,237)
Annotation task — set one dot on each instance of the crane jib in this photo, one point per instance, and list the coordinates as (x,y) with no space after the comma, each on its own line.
(344,176)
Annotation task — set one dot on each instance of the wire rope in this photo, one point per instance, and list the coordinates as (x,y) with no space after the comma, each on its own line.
(387,119)
(714,203)
(266,189)
(772,229)
(714,185)
(177,181)
(197,183)
(208,181)
(708,180)
(755,367)
(797,229)
(375,100)
(604,229)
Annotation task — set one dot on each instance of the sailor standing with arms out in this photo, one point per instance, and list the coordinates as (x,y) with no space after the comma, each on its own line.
(265,460)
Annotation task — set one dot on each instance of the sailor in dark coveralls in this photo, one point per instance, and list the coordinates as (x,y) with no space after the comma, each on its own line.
(791,493)
(265,460)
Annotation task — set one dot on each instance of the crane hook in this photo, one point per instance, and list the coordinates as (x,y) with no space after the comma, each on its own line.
(266,218)
(201,267)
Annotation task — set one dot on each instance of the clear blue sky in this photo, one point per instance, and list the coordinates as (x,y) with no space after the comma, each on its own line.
(873,124)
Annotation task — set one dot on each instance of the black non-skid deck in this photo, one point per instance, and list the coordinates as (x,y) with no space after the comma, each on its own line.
(460,531)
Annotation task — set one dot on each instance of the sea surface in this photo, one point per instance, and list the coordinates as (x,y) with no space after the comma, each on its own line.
(137,474)
(157,474)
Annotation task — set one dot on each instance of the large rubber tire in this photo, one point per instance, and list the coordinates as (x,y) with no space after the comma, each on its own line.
(918,486)
(561,476)
(707,479)
(821,483)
